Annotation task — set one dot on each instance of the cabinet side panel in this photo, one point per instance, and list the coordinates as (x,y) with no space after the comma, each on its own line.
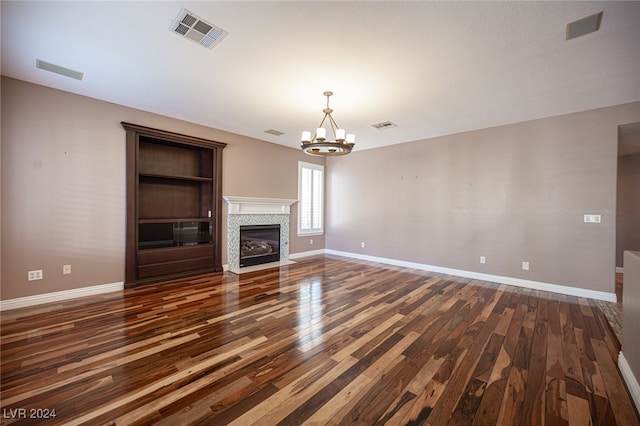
(131,243)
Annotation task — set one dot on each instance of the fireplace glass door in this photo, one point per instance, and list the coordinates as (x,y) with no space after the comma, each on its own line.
(259,244)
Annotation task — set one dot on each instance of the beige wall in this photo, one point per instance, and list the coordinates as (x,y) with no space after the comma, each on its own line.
(509,193)
(512,193)
(63,185)
(628,206)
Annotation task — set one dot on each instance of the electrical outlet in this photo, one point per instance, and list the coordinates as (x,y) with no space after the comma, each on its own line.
(482,259)
(525,266)
(362,244)
(66,269)
(34,275)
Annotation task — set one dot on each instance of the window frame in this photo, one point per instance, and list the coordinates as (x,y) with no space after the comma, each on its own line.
(302,165)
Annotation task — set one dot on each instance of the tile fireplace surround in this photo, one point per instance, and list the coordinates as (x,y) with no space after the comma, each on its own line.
(255,211)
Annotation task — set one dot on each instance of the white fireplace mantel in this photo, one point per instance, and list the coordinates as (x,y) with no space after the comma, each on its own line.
(255,205)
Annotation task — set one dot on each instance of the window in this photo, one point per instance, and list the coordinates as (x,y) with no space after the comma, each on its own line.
(310,198)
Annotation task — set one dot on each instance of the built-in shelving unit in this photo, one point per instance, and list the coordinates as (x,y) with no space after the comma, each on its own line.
(174,185)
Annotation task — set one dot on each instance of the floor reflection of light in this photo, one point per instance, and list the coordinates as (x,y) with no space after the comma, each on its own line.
(310,314)
(230,294)
(230,299)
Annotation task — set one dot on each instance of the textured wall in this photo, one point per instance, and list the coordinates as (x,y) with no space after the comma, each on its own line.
(512,193)
(509,193)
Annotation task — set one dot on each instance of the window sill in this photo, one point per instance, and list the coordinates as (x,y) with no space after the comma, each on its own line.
(306,234)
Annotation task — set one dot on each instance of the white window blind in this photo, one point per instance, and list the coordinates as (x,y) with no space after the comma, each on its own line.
(310,198)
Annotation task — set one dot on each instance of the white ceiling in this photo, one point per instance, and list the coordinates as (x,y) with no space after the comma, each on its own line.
(432,68)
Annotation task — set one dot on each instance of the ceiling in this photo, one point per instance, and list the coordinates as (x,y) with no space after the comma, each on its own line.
(431,68)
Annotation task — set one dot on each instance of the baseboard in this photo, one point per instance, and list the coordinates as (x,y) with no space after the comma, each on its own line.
(630,379)
(536,285)
(39,299)
(306,253)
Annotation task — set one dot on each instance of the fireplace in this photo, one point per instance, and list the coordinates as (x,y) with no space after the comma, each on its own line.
(251,212)
(259,244)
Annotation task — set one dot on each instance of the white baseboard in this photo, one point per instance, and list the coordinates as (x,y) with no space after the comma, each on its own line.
(630,379)
(39,299)
(536,285)
(306,253)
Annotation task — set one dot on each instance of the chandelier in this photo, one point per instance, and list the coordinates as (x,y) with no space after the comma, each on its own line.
(320,145)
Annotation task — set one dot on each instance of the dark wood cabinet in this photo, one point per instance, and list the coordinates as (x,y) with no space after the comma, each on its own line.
(174,202)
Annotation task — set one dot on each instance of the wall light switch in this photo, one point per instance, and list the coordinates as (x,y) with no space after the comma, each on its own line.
(592,218)
(66,269)
(482,259)
(362,244)
(525,266)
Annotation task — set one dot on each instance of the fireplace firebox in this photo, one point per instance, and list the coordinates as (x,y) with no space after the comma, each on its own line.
(259,244)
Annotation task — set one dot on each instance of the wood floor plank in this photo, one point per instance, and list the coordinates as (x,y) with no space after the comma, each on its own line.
(513,400)
(462,373)
(324,341)
(622,406)
(534,393)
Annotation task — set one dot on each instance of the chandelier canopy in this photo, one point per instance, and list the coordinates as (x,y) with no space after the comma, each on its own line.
(319,144)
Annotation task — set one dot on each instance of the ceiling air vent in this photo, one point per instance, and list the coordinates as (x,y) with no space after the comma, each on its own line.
(67,72)
(274,132)
(197,29)
(383,125)
(584,26)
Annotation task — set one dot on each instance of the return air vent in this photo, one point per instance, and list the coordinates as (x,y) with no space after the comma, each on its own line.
(384,125)
(197,29)
(274,132)
(584,26)
(67,72)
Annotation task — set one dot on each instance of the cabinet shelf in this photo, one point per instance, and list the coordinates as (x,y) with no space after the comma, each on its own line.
(175,177)
(175,219)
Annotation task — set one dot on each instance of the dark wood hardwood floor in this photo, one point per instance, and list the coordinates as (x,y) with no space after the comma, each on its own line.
(325,341)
